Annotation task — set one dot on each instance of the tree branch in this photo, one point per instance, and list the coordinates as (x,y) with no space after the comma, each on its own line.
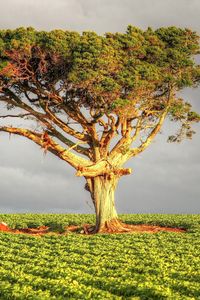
(101,168)
(49,144)
(147,142)
(126,140)
(16,116)
(42,118)
(108,134)
(19,103)
(62,124)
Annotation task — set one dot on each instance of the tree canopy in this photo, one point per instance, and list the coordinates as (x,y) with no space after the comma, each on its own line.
(95,95)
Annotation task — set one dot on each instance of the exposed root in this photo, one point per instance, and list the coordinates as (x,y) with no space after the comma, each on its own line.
(113,226)
(117,226)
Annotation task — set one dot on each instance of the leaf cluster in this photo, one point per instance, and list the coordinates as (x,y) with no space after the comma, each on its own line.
(127,75)
(98,70)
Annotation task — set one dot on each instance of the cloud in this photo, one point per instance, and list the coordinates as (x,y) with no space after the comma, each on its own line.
(99,15)
(22,191)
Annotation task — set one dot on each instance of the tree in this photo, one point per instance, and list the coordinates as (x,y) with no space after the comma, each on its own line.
(98,101)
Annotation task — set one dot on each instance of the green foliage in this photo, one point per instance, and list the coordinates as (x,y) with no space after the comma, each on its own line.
(101,65)
(118,73)
(193,116)
(119,103)
(132,266)
(18,39)
(3,64)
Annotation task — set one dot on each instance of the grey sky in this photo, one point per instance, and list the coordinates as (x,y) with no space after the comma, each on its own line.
(165,177)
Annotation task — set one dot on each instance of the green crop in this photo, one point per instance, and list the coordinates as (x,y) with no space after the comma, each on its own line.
(163,265)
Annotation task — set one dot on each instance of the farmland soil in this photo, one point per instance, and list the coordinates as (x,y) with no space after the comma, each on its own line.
(88,229)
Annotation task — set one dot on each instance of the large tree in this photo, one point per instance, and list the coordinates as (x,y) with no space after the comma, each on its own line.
(98,101)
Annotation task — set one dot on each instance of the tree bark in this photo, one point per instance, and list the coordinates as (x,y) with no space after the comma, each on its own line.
(103,195)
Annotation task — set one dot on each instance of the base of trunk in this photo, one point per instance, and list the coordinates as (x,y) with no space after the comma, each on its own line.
(102,189)
(112,226)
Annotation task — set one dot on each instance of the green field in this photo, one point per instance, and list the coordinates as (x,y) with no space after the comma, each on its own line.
(119,266)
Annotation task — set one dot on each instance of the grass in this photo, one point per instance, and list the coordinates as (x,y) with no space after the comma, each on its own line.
(122,266)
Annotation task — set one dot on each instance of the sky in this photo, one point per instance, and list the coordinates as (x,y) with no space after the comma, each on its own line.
(165,177)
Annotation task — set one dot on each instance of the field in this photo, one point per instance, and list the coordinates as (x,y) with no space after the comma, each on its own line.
(163,265)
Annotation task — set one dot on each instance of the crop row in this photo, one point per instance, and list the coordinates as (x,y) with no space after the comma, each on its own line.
(122,266)
(59,221)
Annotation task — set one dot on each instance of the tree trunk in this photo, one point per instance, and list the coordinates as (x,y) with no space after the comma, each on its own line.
(103,198)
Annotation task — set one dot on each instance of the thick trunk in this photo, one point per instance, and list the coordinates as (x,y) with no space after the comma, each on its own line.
(103,191)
